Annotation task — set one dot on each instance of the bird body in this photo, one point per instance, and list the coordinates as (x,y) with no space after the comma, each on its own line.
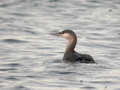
(77,57)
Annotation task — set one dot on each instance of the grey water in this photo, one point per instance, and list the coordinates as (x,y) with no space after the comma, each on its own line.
(31,58)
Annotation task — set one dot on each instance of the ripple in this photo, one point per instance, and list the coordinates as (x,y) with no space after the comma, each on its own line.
(89,88)
(8,69)
(31,32)
(20,14)
(21,88)
(13,64)
(58,72)
(12,78)
(31,76)
(54,0)
(14,41)
(10,3)
(103,82)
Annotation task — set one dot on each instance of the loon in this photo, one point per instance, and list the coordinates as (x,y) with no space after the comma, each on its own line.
(70,55)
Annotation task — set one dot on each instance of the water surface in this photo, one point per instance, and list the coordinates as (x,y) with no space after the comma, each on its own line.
(31,58)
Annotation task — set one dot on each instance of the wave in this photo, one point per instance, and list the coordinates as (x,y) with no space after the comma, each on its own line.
(14,41)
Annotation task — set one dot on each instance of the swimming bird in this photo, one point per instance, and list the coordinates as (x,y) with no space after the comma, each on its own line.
(70,55)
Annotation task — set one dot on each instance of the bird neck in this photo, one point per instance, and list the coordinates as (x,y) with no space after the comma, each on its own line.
(71,45)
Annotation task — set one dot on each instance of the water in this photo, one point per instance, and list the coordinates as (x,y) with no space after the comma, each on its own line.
(31,58)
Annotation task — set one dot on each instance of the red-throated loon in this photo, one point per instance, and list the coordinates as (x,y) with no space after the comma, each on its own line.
(70,54)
